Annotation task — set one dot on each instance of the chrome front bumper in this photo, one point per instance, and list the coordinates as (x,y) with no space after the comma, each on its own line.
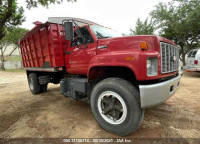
(152,95)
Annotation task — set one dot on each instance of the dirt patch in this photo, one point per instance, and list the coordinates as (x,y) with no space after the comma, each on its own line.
(50,115)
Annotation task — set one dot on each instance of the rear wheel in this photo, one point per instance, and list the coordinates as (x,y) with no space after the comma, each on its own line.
(116,107)
(33,83)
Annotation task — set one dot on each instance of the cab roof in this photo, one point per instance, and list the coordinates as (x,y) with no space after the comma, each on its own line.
(59,20)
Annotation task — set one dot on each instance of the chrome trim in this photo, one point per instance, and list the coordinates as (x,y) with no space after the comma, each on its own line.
(102,47)
(151,95)
(53,69)
(169,58)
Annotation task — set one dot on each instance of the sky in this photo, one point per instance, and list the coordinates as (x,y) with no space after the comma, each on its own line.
(120,15)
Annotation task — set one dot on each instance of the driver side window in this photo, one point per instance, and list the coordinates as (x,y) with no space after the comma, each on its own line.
(78,40)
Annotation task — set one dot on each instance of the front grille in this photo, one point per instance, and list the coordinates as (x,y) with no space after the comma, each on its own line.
(169,58)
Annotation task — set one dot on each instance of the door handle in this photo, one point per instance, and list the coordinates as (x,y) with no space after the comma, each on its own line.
(102,47)
(68,52)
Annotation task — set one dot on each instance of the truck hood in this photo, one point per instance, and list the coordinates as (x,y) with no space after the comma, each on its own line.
(130,43)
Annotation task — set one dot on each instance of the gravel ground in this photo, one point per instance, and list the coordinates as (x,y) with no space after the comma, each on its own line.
(51,115)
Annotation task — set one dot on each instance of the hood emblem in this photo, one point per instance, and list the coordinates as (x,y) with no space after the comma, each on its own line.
(173,58)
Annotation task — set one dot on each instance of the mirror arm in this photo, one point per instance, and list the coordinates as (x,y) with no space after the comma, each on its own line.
(82,37)
(80,33)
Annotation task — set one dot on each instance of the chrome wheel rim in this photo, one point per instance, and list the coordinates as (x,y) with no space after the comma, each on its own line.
(112,107)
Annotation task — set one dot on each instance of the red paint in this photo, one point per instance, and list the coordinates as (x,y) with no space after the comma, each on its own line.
(45,43)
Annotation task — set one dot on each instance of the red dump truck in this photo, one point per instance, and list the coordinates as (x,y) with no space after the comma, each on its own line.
(120,76)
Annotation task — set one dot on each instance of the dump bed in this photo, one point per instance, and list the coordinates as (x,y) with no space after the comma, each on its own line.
(43,46)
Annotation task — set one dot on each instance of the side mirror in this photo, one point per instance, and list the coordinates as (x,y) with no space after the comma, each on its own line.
(69,30)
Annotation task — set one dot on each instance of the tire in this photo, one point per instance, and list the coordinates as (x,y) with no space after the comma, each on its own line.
(43,88)
(33,83)
(134,90)
(115,104)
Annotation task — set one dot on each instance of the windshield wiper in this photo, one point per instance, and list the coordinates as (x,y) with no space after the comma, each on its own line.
(101,36)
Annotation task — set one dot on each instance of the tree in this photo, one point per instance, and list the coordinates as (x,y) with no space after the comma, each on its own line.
(179,20)
(12,15)
(10,38)
(143,28)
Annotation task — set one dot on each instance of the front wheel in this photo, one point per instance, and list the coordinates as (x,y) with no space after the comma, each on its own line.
(116,107)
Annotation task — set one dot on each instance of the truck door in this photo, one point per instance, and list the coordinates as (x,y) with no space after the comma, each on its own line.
(79,52)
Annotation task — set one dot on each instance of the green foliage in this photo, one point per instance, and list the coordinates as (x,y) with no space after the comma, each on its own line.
(13,70)
(179,20)
(12,15)
(46,3)
(143,28)
(13,58)
(13,36)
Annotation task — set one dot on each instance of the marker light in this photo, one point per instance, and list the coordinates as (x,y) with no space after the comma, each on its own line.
(143,45)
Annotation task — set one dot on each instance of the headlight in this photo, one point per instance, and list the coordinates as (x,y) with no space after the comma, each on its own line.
(152,66)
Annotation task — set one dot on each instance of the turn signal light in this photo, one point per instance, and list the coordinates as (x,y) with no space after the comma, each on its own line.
(143,45)
(59,68)
(196,62)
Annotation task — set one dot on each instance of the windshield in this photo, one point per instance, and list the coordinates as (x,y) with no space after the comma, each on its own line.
(192,54)
(102,32)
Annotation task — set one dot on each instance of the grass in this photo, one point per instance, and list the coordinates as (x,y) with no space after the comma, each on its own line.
(13,58)
(13,70)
